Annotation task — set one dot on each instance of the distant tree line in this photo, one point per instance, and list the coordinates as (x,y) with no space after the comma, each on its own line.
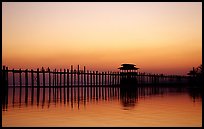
(196,75)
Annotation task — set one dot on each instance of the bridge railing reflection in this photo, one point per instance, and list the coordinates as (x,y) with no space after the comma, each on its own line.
(81,96)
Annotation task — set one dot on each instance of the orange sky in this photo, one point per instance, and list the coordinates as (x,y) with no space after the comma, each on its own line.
(157,37)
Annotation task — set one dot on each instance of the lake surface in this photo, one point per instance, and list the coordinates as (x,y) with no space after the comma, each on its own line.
(102,106)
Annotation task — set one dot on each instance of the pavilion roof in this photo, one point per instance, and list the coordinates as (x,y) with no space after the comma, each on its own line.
(128,67)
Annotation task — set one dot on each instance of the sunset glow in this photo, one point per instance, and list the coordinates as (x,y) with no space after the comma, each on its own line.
(157,37)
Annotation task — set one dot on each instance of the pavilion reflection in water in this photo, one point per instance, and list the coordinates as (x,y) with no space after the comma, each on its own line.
(77,97)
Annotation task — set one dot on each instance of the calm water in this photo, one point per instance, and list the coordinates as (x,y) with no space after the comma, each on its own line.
(102,106)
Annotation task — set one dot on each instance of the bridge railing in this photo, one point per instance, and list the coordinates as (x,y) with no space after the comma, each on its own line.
(78,77)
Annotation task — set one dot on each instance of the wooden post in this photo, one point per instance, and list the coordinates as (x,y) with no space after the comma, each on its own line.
(57,78)
(110,77)
(99,78)
(13,77)
(5,81)
(7,77)
(60,77)
(105,78)
(102,79)
(49,77)
(144,78)
(82,78)
(150,78)
(55,75)
(153,78)
(99,95)
(87,77)
(43,71)
(78,74)
(96,78)
(84,75)
(32,78)
(71,75)
(74,76)
(137,77)
(67,77)
(96,94)
(118,78)
(115,78)
(53,78)
(26,78)
(38,78)
(140,78)
(4,75)
(64,76)
(161,78)
(147,78)
(4,88)
(20,78)
(91,78)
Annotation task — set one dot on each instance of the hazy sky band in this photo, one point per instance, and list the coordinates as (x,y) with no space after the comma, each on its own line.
(158,37)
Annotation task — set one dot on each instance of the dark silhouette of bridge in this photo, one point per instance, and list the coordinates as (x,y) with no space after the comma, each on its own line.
(128,75)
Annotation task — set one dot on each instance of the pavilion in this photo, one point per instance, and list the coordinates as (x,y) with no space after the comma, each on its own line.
(128,68)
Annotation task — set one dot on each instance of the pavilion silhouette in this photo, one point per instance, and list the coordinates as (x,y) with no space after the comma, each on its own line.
(128,74)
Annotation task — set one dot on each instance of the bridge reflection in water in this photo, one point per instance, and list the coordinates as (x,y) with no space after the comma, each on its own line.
(77,97)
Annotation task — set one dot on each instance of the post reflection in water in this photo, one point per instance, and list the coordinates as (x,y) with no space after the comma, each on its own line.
(20,97)
(133,105)
(5,99)
(128,97)
(32,95)
(38,96)
(13,100)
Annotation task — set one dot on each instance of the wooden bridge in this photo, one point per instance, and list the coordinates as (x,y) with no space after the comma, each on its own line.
(76,77)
